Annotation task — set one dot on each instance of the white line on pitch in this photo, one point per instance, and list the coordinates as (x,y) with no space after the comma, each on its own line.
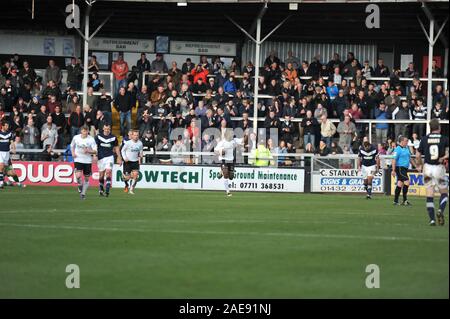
(208,232)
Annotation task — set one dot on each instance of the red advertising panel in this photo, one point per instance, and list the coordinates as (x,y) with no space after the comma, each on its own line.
(50,173)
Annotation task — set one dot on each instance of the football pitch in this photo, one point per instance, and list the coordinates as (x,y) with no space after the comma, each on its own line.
(193,244)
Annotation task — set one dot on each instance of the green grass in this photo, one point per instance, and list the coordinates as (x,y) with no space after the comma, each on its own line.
(192,244)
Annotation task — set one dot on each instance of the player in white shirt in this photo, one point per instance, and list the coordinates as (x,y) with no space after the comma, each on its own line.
(132,153)
(83,148)
(225,150)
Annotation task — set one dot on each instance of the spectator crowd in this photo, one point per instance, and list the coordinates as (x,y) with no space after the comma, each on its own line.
(313,106)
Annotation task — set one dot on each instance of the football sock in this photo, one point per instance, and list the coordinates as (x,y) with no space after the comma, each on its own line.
(80,183)
(85,186)
(134,183)
(226,183)
(1,179)
(101,181)
(430,207)
(16,178)
(397,193)
(405,192)
(369,190)
(443,202)
(108,184)
(126,183)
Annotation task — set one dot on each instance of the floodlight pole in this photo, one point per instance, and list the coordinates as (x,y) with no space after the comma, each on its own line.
(88,38)
(431,41)
(86,52)
(256,80)
(258,43)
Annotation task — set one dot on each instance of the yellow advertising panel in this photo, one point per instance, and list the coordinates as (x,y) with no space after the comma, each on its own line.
(416,186)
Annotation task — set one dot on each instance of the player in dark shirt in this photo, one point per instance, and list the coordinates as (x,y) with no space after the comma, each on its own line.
(434,147)
(107,145)
(369,165)
(6,146)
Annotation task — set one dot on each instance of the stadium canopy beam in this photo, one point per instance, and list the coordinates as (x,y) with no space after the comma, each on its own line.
(442,37)
(258,43)
(88,38)
(432,38)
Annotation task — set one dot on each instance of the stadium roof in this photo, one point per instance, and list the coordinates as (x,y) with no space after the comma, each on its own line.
(205,20)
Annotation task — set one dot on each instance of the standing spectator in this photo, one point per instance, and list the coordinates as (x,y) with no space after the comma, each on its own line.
(89,118)
(310,127)
(287,129)
(436,71)
(271,122)
(392,101)
(52,103)
(159,65)
(316,66)
(175,73)
(76,121)
(272,58)
(142,65)
(367,70)
(27,74)
(327,130)
(346,130)
(41,117)
(59,119)
(120,70)
(335,62)
(187,66)
(93,64)
(30,138)
(411,71)
(104,103)
(293,60)
(381,129)
(145,122)
(53,73)
(73,74)
(91,98)
(336,77)
(49,134)
(419,112)
(100,121)
(95,82)
(123,104)
(381,70)
(402,112)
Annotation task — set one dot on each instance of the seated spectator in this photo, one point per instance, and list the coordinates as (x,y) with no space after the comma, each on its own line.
(178,147)
(149,145)
(164,146)
(323,150)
